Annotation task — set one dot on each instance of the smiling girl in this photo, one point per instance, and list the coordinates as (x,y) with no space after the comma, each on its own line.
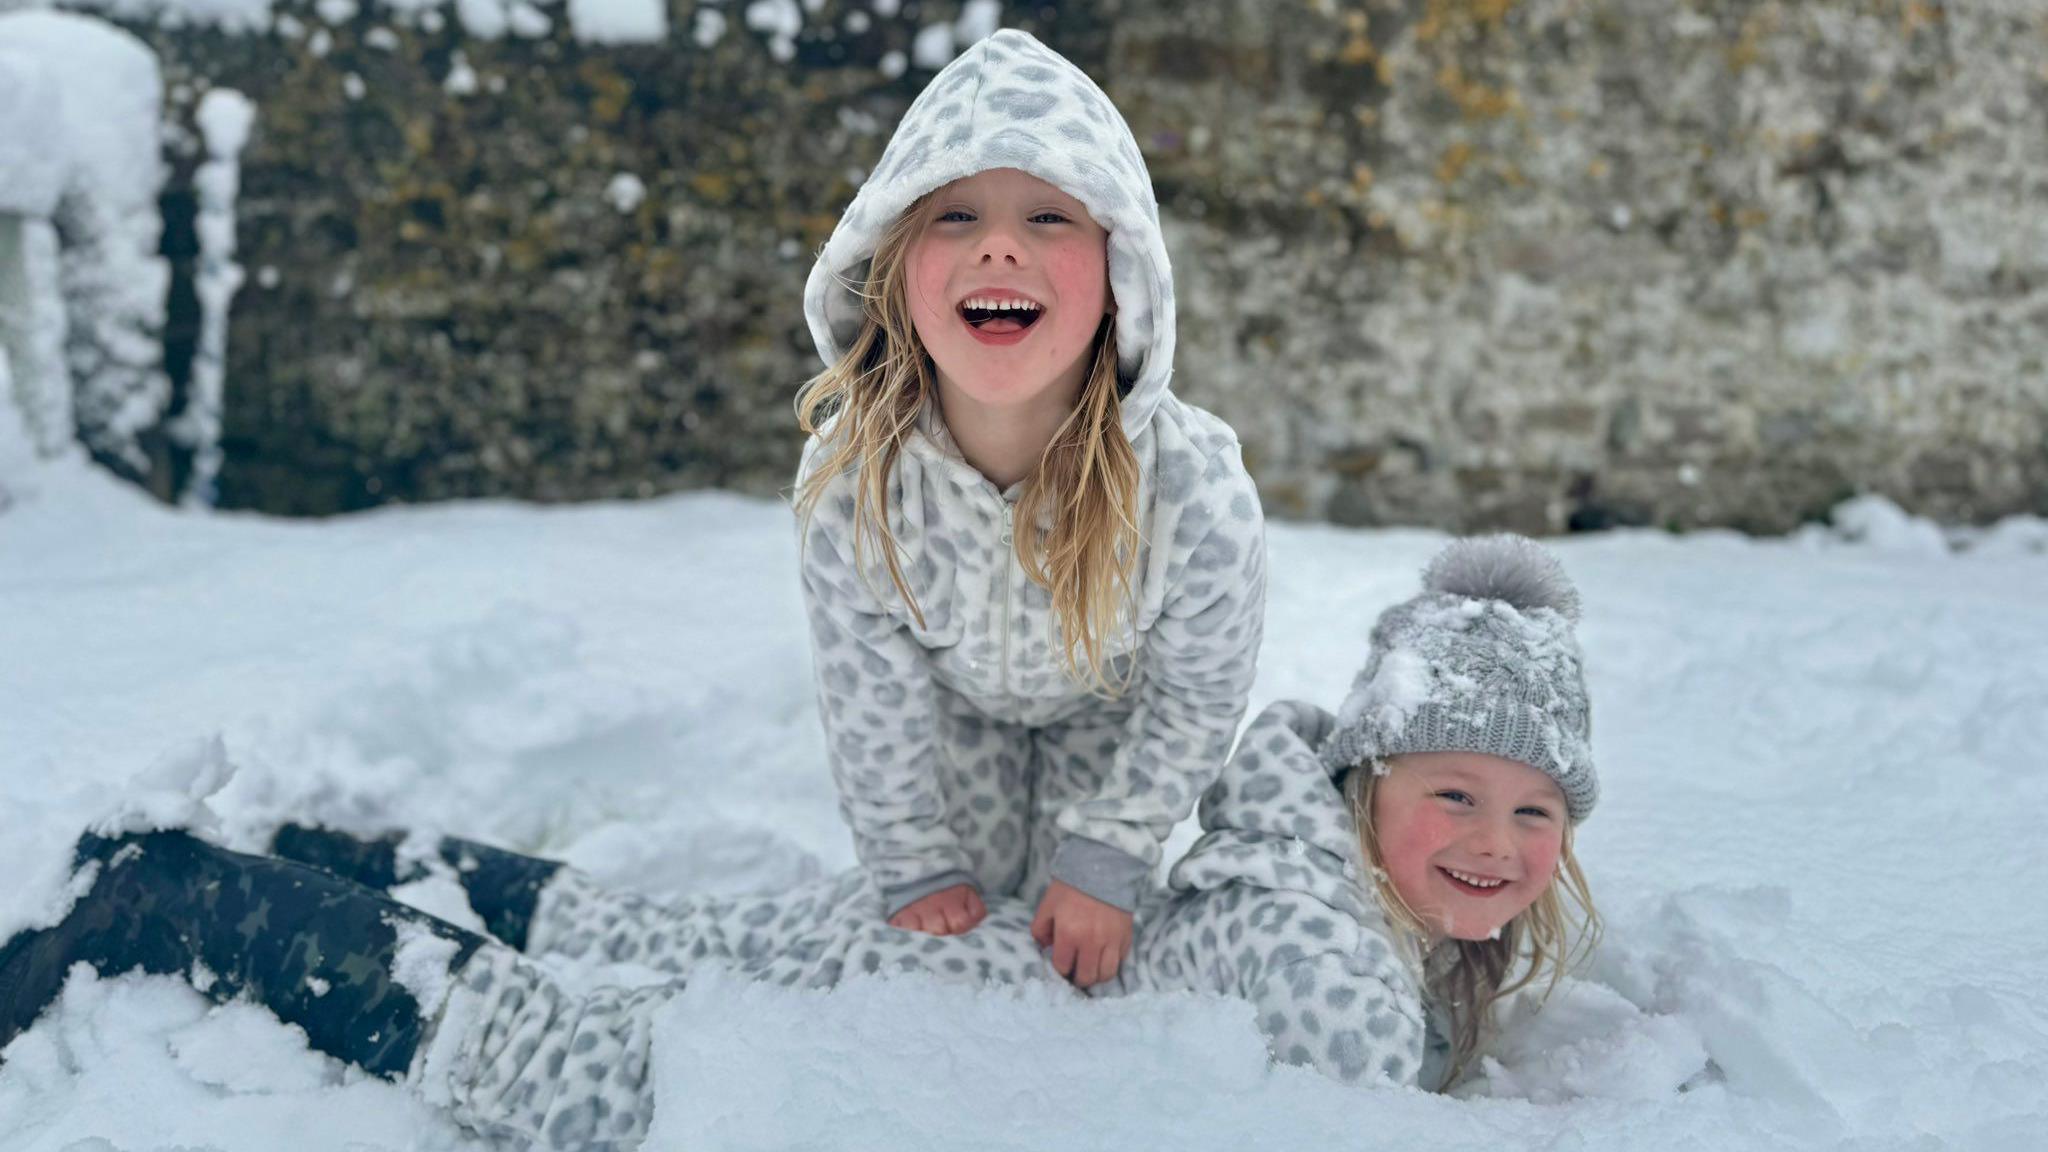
(1035,578)
(1374,881)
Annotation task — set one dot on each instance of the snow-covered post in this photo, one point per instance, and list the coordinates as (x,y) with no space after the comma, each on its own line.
(82,284)
(31,310)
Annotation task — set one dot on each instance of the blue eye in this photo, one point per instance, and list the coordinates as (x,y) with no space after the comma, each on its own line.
(956,216)
(1544,813)
(1455,796)
(1049,218)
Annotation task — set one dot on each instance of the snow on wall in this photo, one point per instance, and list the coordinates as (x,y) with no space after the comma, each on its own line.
(225,117)
(619,21)
(590,21)
(228,15)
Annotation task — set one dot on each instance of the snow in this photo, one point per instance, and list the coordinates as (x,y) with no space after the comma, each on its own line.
(31,140)
(172,792)
(227,15)
(483,19)
(936,44)
(625,192)
(461,79)
(491,19)
(709,28)
(422,963)
(531,23)
(225,118)
(1820,761)
(98,93)
(31,295)
(440,893)
(619,21)
(780,21)
(17,453)
(1878,522)
(933,47)
(979,20)
(2013,536)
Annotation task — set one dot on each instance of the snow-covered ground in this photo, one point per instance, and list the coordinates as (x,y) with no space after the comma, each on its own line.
(1825,765)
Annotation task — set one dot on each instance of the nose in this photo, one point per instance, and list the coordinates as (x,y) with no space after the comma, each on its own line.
(1491,838)
(999,245)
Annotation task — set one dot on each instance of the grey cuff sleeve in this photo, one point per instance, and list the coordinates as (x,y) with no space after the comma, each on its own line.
(1111,875)
(902,896)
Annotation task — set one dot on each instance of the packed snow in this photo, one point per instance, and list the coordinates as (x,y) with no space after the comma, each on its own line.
(1821,761)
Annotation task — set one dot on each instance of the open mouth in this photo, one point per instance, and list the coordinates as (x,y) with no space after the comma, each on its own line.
(999,316)
(1474,884)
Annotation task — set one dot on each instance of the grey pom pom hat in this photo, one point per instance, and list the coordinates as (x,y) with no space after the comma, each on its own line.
(1484,660)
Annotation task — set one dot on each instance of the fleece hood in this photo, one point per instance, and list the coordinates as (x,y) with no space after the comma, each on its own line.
(1011,102)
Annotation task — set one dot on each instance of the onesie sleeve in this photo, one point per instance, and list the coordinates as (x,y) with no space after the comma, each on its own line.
(1332,1012)
(1195,664)
(877,701)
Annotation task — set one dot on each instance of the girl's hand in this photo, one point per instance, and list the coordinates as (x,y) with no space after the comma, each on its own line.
(947,912)
(1088,938)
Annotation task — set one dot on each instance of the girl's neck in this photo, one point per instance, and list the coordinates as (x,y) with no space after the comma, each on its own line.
(1004,444)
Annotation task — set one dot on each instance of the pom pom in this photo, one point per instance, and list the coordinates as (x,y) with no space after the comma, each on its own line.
(1514,569)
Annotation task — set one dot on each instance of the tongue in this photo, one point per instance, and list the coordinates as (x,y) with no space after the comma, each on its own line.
(1001,326)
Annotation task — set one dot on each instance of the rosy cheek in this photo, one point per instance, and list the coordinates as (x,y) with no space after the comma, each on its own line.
(926,281)
(1081,275)
(1540,856)
(1411,841)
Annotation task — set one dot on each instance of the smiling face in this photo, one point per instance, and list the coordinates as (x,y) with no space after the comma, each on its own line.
(1008,284)
(1467,840)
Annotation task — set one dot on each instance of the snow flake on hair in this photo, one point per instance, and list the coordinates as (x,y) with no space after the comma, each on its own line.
(1514,569)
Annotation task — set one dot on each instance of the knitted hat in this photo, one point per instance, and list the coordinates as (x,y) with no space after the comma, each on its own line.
(1484,660)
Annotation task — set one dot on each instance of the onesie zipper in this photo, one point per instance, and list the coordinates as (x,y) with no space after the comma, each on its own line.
(1009,563)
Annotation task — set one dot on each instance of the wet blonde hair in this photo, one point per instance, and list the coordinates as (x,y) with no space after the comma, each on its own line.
(864,406)
(1538,944)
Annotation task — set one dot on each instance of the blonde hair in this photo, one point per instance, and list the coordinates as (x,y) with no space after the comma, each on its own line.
(1537,941)
(866,404)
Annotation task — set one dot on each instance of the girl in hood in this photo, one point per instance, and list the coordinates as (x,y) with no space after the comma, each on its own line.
(1035,578)
(1370,881)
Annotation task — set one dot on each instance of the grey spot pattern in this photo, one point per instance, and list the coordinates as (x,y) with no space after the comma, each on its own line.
(961,747)
(1311,952)
(1275,874)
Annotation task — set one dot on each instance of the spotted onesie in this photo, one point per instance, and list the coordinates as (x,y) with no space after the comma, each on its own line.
(962,749)
(1266,907)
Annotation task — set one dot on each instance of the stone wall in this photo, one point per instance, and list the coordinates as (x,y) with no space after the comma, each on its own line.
(1469,263)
